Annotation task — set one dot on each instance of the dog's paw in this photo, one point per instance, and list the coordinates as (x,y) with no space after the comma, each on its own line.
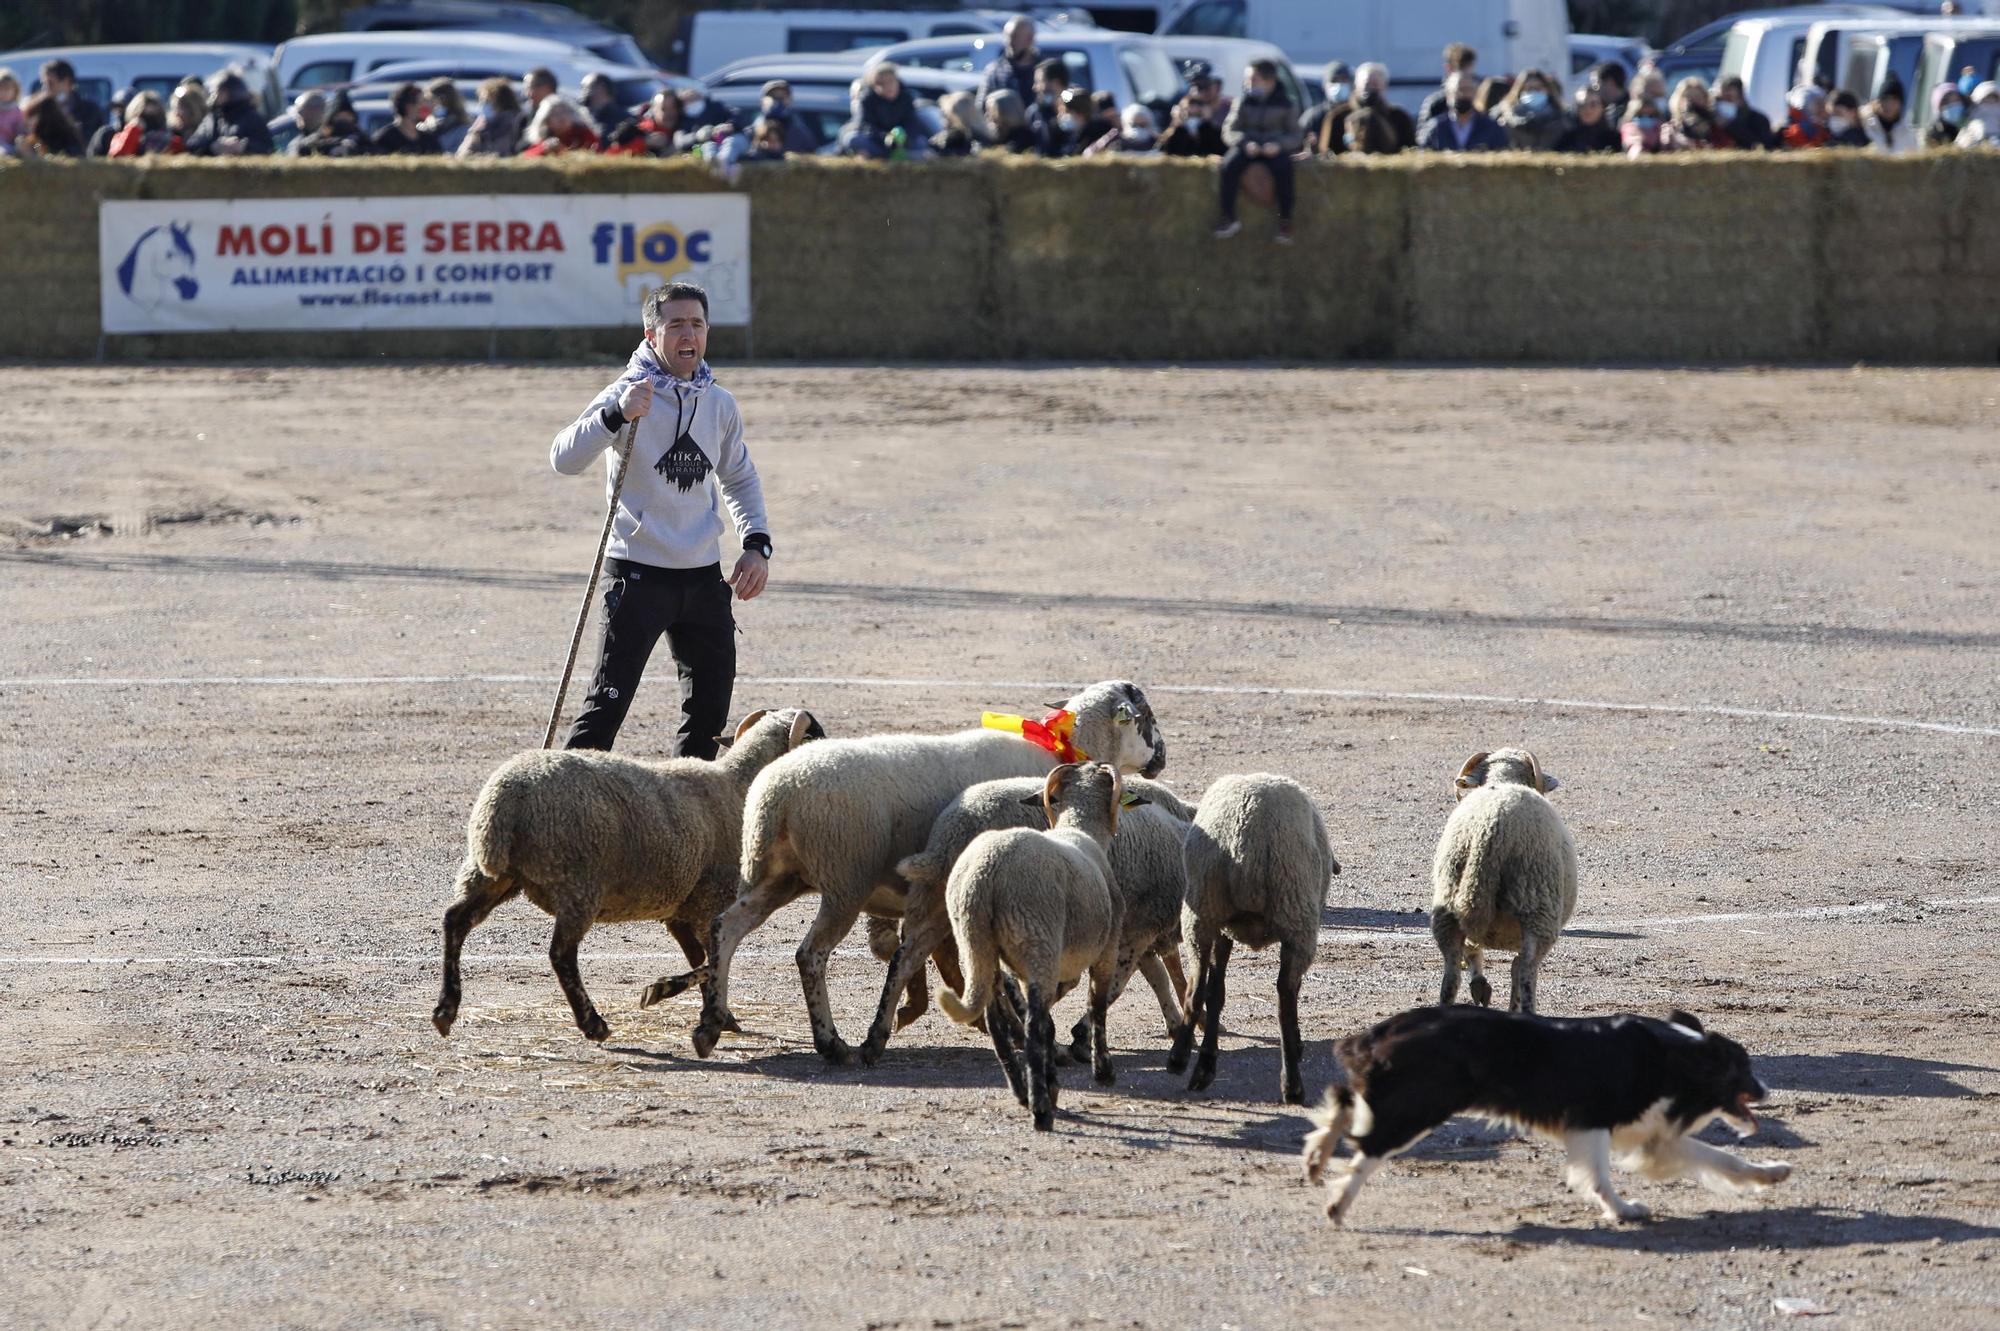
(1628,1213)
(1769,1175)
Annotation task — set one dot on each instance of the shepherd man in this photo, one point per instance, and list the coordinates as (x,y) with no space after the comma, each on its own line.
(663,567)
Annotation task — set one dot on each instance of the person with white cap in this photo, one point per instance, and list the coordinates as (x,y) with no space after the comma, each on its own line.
(1982,121)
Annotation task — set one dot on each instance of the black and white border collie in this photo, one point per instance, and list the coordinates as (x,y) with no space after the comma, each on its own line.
(1625,1086)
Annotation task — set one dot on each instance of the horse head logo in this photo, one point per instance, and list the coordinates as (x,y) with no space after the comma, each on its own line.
(159,268)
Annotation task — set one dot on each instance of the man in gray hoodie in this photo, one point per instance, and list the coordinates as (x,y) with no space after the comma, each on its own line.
(663,568)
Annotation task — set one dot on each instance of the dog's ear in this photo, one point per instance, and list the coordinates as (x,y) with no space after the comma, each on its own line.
(1687,1019)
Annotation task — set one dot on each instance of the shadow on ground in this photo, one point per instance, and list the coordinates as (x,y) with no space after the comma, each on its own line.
(1867,1074)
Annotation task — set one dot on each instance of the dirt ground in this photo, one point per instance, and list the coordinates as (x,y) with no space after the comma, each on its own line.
(268,628)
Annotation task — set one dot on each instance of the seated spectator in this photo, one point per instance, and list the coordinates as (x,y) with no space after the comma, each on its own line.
(233,126)
(1066,136)
(1613,89)
(884,122)
(1982,118)
(144,132)
(776,106)
(1051,82)
(1014,71)
(1843,122)
(49,132)
(1691,124)
(1888,129)
(1373,131)
(1007,123)
(767,141)
(59,82)
(1389,130)
(559,127)
(339,135)
(1947,116)
(496,130)
(537,86)
(1639,133)
(100,142)
(1748,127)
(1100,119)
(1262,129)
(448,122)
(308,114)
(1491,93)
(1532,113)
(1461,127)
(1592,130)
(1649,82)
(1194,129)
(1339,86)
(12,121)
(1201,79)
(405,136)
(1805,119)
(1459,59)
(964,131)
(187,107)
(1136,133)
(703,121)
(600,104)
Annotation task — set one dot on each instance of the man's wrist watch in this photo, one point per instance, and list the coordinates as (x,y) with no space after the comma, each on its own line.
(759,542)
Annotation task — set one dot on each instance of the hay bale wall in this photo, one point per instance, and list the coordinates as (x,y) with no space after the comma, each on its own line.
(1690,259)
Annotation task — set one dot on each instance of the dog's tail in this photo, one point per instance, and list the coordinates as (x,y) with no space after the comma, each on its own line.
(1331,1120)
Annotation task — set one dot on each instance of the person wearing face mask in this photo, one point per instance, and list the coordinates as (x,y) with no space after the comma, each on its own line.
(233,126)
(1592,130)
(1608,80)
(1639,132)
(1045,111)
(448,120)
(1805,118)
(1194,128)
(1691,122)
(1339,94)
(1888,129)
(1263,128)
(1458,59)
(1461,127)
(497,127)
(1076,113)
(1843,122)
(1388,130)
(703,121)
(1530,113)
(1747,126)
(1982,118)
(1947,116)
(776,107)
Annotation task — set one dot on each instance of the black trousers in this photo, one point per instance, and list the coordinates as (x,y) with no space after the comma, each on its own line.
(691,607)
(1237,161)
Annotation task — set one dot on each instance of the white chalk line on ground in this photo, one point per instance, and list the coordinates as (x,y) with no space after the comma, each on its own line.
(1001,685)
(1414,934)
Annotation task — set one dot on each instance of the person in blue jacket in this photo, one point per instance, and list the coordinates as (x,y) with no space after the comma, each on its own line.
(1458,127)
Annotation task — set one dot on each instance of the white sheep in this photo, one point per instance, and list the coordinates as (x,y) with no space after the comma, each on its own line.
(1146,858)
(836,818)
(1258,870)
(1504,875)
(596,837)
(1043,904)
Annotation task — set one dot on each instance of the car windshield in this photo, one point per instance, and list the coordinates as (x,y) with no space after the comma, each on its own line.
(1736,53)
(1152,75)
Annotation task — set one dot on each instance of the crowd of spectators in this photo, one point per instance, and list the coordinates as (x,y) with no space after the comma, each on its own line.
(1025,105)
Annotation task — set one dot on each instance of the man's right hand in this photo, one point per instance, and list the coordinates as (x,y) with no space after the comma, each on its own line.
(636,400)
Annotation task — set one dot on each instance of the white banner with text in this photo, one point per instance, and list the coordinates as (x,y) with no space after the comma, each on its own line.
(425,261)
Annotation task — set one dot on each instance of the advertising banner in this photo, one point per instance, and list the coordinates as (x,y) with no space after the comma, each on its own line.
(431,261)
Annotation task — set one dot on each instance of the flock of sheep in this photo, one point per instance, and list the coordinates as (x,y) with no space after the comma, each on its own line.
(1019,868)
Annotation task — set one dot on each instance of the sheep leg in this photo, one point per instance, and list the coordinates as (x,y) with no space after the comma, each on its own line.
(668,986)
(1475,961)
(1204,1065)
(1451,944)
(1177,1056)
(1080,1047)
(1292,962)
(477,896)
(1106,978)
(1000,1026)
(748,911)
(924,935)
(571,926)
(1527,962)
(1041,1060)
(1154,967)
(830,926)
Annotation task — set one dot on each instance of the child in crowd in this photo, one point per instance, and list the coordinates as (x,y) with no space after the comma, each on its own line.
(12,122)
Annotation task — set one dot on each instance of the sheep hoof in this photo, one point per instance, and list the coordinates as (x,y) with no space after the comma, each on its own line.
(1482,992)
(668,986)
(1204,1075)
(1045,1121)
(1105,1076)
(595,1029)
(705,1037)
(1177,1061)
(837,1052)
(729,1023)
(871,1052)
(1295,1094)
(906,1015)
(443,1019)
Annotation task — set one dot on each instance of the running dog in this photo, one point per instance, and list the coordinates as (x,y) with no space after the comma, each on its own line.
(1626,1086)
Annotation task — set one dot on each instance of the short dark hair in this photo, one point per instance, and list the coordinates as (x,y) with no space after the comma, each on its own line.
(1846,100)
(1610,71)
(1460,56)
(539,74)
(667,295)
(406,97)
(1265,69)
(1729,83)
(1053,71)
(58,69)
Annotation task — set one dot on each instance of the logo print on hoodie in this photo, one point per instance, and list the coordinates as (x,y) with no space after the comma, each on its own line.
(684,464)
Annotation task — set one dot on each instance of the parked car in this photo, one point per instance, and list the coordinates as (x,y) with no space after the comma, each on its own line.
(1406,36)
(825,109)
(325,59)
(1944,54)
(1132,68)
(1589,50)
(740,85)
(101,71)
(1230,56)
(633,85)
(1768,54)
(1858,54)
(716,37)
(523,18)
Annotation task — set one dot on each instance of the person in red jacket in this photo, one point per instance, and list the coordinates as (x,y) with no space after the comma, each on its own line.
(145,129)
(1805,125)
(558,127)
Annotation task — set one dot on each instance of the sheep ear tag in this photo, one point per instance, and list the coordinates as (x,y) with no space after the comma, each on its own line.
(1133,799)
(1056,732)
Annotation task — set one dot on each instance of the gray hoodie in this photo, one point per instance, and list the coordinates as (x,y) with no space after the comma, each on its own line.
(689,446)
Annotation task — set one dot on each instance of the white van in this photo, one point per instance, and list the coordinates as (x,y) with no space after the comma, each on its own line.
(1766,54)
(1409,36)
(1857,54)
(718,37)
(101,71)
(1944,56)
(348,57)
